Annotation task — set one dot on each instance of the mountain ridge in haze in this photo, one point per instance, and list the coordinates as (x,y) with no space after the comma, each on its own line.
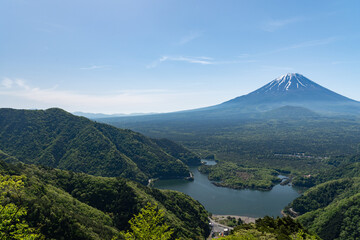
(291,90)
(103,115)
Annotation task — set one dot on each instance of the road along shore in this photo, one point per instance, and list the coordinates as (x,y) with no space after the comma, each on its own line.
(245,219)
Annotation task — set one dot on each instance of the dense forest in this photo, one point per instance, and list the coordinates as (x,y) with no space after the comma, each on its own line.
(290,140)
(331,207)
(249,138)
(60,204)
(317,153)
(230,174)
(59,139)
(66,205)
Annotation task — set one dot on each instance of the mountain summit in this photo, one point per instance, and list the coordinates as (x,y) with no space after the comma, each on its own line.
(290,89)
(288,82)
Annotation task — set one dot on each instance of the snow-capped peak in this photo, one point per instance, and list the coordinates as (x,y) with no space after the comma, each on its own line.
(291,88)
(288,82)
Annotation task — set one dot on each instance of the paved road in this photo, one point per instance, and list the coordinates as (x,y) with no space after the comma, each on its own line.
(217,227)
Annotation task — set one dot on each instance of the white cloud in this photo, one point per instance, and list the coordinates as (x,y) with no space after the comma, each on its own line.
(200,60)
(273,25)
(7,83)
(244,55)
(94,67)
(22,84)
(311,43)
(188,38)
(25,96)
(305,44)
(195,60)
(13,83)
(22,95)
(19,88)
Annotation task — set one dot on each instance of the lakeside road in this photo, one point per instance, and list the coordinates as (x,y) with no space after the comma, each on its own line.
(218,228)
(245,219)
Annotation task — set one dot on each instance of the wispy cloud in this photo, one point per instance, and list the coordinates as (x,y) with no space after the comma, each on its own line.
(195,60)
(18,93)
(35,97)
(273,25)
(199,60)
(7,82)
(244,55)
(190,37)
(92,67)
(305,44)
(311,43)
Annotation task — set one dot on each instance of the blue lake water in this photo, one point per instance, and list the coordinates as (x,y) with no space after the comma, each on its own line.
(219,200)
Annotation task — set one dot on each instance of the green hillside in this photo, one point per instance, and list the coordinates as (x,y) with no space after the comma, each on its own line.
(59,139)
(67,205)
(343,167)
(331,209)
(178,151)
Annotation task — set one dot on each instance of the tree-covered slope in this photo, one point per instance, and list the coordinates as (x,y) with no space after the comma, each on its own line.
(59,139)
(342,167)
(178,151)
(67,205)
(331,209)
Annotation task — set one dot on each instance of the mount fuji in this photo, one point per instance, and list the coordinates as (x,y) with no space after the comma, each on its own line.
(294,89)
(289,96)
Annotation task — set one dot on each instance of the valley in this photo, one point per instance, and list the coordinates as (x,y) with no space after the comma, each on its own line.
(291,126)
(179,120)
(91,170)
(225,201)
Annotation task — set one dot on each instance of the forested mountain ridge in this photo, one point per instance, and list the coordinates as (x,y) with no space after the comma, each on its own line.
(331,207)
(66,205)
(59,139)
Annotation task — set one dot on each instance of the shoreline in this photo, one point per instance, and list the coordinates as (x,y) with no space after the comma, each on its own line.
(245,219)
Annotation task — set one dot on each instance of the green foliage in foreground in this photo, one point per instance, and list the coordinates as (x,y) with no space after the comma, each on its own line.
(147,225)
(12,213)
(68,205)
(268,228)
(331,209)
(230,174)
(58,139)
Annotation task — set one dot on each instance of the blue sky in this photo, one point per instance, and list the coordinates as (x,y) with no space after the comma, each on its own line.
(166,55)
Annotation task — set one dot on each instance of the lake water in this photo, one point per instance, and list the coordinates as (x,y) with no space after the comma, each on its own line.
(219,200)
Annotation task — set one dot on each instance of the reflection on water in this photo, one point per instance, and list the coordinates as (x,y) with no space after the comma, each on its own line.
(219,200)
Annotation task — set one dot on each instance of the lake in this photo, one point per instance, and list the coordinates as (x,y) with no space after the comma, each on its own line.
(226,201)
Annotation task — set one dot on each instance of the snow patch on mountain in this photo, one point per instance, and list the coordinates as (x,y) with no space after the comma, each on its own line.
(290,81)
